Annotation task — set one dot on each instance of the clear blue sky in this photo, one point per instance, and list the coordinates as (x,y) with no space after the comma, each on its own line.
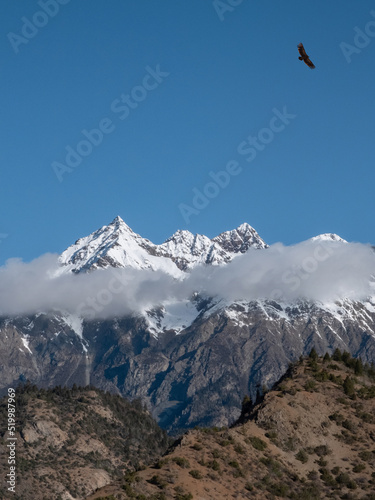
(228,70)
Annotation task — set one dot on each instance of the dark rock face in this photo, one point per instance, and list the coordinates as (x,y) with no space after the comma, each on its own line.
(198,377)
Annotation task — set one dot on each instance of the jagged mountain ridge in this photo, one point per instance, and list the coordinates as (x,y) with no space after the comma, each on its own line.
(189,360)
(117,245)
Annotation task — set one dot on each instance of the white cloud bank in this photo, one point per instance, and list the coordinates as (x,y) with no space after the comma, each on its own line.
(323,271)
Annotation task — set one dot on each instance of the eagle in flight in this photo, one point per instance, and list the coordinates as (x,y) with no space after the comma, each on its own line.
(304,57)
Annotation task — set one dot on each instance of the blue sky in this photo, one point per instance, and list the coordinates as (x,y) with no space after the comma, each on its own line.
(177,87)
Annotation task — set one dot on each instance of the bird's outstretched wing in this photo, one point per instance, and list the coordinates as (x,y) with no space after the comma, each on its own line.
(301,50)
(304,57)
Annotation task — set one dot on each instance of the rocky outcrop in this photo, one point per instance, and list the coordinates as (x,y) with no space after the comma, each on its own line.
(196,377)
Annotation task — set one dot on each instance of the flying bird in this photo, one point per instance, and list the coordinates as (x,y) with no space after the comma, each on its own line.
(304,57)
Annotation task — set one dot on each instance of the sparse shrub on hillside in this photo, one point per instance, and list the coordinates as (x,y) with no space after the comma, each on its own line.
(257,443)
(366,455)
(348,386)
(358,367)
(224,442)
(214,465)
(272,435)
(344,479)
(158,481)
(195,474)
(289,444)
(336,379)
(346,437)
(321,376)
(348,424)
(182,462)
(274,467)
(313,475)
(216,453)
(322,450)
(359,468)
(367,392)
(278,489)
(327,477)
(183,496)
(238,449)
(310,386)
(302,456)
(197,446)
(157,496)
(333,366)
(160,463)
(234,463)
(313,365)
(367,417)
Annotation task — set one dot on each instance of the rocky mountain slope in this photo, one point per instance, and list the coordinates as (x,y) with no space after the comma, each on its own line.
(196,377)
(191,358)
(72,441)
(312,437)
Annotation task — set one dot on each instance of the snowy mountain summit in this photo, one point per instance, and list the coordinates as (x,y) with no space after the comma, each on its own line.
(117,245)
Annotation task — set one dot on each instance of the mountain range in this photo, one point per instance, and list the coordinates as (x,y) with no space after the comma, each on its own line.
(189,358)
(116,245)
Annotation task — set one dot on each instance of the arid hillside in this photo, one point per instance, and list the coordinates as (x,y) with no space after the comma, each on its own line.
(72,441)
(311,437)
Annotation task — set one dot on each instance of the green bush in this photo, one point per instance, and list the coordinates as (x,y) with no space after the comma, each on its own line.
(345,480)
(349,387)
(197,446)
(310,386)
(214,465)
(195,474)
(271,435)
(322,450)
(359,468)
(348,424)
(234,464)
(158,481)
(326,477)
(182,462)
(182,496)
(302,456)
(365,455)
(257,443)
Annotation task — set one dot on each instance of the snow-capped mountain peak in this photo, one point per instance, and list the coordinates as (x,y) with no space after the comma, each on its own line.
(328,237)
(239,240)
(117,245)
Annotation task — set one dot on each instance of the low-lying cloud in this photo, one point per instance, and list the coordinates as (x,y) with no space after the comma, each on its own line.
(319,271)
